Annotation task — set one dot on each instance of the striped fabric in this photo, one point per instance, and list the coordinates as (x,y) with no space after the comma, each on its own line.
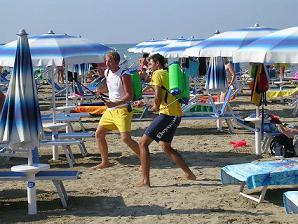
(51,49)
(20,121)
(151,46)
(176,49)
(278,47)
(225,44)
(216,75)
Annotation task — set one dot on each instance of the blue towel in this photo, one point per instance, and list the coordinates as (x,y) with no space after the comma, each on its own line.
(257,174)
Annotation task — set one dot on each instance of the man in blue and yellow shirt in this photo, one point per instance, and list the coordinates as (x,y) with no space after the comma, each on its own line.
(163,127)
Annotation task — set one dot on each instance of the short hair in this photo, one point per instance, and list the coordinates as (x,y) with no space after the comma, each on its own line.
(145,55)
(158,58)
(115,55)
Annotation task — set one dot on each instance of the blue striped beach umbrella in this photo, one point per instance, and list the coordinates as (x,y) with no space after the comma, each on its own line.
(216,75)
(226,43)
(20,120)
(176,49)
(278,47)
(151,46)
(52,49)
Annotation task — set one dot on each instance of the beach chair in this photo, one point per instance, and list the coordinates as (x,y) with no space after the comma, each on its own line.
(211,110)
(290,199)
(56,176)
(261,174)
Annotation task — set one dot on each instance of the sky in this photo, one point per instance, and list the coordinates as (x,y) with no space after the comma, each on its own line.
(134,21)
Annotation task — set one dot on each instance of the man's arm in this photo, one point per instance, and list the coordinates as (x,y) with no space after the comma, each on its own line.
(289,132)
(157,99)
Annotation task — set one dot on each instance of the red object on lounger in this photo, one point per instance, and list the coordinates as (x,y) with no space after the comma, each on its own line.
(274,119)
(239,144)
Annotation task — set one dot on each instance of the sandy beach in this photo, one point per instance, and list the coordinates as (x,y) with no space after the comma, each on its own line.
(109,195)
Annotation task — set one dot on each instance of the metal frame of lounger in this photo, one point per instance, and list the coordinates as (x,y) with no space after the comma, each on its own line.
(256,199)
(56,176)
(220,114)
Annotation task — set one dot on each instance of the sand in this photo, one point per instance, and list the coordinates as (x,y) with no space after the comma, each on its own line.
(109,195)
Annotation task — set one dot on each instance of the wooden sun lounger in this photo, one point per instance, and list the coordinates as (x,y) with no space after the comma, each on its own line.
(56,177)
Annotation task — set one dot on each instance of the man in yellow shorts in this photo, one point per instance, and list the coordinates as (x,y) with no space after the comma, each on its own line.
(119,113)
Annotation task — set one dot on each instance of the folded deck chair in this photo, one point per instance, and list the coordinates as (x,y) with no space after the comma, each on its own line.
(261,174)
(290,199)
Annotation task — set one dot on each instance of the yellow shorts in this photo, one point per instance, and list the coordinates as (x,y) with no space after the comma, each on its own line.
(118,119)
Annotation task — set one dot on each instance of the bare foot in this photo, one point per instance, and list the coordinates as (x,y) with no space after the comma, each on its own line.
(188,177)
(142,184)
(101,166)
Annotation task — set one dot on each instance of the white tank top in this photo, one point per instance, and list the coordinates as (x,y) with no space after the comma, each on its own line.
(115,85)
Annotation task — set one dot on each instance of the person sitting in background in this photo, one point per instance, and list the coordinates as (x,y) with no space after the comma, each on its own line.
(290,132)
(144,61)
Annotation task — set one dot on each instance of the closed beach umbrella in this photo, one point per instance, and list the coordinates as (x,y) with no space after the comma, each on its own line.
(226,43)
(216,75)
(278,47)
(20,121)
(52,49)
(151,46)
(176,49)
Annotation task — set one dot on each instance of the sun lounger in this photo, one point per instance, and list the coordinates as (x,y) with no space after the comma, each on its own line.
(55,176)
(261,174)
(66,143)
(290,199)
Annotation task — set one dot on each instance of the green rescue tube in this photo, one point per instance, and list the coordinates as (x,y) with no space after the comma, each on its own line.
(175,79)
(185,93)
(136,85)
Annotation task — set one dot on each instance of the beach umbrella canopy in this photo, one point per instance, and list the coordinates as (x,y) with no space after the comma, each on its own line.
(226,43)
(151,46)
(216,75)
(278,47)
(20,120)
(176,49)
(52,49)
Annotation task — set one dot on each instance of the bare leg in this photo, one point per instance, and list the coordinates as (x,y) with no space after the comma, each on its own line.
(102,145)
(126,138)
(145,161)
(176,157)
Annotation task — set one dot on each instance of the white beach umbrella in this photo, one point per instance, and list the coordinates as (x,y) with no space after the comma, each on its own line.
(226,43)
(152,45)
(52,49)
(278,47)
(176,49)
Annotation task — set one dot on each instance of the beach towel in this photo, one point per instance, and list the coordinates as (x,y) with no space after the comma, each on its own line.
(261,173)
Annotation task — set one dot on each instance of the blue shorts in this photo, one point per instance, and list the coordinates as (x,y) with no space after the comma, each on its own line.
(163,128)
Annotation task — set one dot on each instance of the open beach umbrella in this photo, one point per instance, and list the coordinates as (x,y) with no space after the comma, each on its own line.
(52,49)
(20,120)
(226,43)
(151,46)
(278,47)
(176,49)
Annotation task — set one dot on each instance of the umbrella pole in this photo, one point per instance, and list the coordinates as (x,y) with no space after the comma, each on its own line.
(53,95)
(31,188)
(258,132)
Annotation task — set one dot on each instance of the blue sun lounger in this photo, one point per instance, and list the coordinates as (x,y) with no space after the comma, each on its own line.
(290,199)
(56,176)
(261,174)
